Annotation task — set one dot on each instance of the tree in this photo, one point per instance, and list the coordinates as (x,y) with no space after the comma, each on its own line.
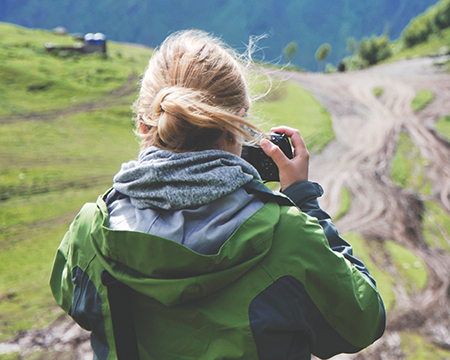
(322,53)
(289,51)
(352,44)
(375,49)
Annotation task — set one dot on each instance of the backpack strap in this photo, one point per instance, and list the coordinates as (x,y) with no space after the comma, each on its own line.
(121,317)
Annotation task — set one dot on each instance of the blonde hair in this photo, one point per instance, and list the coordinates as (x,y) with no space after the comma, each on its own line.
(191,94)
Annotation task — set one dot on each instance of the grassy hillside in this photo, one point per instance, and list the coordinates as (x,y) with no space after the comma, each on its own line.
(65,128)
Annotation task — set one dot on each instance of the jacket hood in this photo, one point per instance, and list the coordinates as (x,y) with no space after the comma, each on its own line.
(172,273)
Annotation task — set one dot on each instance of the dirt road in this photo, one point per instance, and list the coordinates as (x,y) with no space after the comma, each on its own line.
(366,129)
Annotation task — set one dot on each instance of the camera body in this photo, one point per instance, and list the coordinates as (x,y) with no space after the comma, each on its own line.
(266,167)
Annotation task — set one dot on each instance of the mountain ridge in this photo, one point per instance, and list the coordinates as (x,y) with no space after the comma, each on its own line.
(309,23)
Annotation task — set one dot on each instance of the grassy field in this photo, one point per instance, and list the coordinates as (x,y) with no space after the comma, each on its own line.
(65,128)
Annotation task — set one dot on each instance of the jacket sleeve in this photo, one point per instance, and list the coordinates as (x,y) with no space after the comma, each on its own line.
(304,194)
(75,287)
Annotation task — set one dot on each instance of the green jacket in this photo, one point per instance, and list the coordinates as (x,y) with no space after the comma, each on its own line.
(275,289)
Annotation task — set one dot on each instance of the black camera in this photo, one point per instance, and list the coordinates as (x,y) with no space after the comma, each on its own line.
(266,167)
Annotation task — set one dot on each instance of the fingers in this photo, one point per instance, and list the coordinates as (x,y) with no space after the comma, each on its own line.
(296,139)
(274,152)
(290,170)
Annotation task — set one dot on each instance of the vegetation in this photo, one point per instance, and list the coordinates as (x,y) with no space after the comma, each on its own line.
(346,201)
(423,36)
(378,92)
(32,80)
(431,22)
(437,44)
(411,269)
(374,49)
(422,99)
(408,167)
(289,51)
(322,53)
(436,225)
(352,45)
(289,104)
(369,51)
(443,126)
(416,347)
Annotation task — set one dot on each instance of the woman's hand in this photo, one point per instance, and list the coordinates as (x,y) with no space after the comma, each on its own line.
(291,170)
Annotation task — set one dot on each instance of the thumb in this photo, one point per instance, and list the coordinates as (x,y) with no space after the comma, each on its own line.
(274,152)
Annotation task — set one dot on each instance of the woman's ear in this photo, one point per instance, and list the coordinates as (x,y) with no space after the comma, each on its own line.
(241,112)
(231,138)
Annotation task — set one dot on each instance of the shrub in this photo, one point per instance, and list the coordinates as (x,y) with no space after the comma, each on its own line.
(355,62)
(432,21)
(442,14)
(378,92)
(375,49)
(418,31)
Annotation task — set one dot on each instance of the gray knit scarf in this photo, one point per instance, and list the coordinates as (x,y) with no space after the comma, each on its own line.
(162,179)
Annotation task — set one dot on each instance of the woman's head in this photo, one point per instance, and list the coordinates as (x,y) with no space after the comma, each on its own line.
(192,95)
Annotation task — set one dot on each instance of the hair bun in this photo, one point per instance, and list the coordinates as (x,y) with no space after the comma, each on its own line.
(172,109)
(191,93)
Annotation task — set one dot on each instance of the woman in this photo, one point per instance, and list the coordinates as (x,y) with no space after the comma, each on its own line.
(220,266)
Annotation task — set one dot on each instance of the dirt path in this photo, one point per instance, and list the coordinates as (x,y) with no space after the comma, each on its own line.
(366,131)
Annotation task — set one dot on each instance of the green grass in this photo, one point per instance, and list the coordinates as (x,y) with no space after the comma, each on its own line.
(443,126)
(51,166)
(416,347)
(378,92)
(411,269)
(436,225)
(422,99)
(289,104)
(408,167)
(56,168)
(26,302)
(72,151)
(346,201)
(32,80)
